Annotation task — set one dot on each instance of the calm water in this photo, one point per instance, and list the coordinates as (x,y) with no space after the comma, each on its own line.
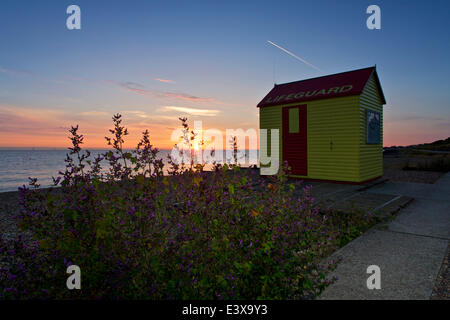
(17,165)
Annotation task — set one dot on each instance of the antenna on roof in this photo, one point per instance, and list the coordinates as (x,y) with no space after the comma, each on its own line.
(274,62)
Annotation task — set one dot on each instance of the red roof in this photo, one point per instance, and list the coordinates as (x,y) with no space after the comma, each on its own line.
(331,86)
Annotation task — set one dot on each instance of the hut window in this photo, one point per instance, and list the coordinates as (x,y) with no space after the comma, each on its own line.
(293,120)
(372,127)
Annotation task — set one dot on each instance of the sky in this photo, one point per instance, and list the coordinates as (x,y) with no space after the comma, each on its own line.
(155,61)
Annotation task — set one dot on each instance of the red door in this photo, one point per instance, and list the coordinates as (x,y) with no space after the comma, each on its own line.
(294,139)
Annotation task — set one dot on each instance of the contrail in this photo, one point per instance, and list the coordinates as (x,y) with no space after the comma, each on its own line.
(293,55)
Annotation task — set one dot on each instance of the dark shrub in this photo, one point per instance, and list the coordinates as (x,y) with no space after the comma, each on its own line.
(137,234)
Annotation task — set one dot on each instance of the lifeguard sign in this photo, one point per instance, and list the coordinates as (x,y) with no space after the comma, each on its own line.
(331,126)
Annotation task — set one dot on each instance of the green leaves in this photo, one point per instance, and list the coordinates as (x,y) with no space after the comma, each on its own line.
(231,189)
(268,246)
(189,235)
(307,284)
(127,155)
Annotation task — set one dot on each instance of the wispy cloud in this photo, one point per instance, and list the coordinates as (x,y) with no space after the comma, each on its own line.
(30,127)
(14,71)
(95,113)
(137,113)
(133,84)
(192,111)
(179,96)
(31,75)
(35,121)
(20,126)
(185,96)
(295,56)
(164,80)
(418,118)
(415,120)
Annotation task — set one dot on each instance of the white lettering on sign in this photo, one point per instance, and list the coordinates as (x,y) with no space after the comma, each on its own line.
(310,94)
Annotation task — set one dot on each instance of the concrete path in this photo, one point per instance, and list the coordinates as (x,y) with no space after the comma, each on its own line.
(409,250)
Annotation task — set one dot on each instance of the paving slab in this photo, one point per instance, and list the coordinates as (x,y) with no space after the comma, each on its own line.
(393,206)
(424,218)
(437,191)
(363,200)
(409,266)
(409,249)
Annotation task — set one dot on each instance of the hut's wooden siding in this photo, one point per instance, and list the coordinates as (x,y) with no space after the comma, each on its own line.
(270,118)
(329,120)
(371,155)
(333,139)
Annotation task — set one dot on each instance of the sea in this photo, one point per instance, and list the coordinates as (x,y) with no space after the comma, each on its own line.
(17,165)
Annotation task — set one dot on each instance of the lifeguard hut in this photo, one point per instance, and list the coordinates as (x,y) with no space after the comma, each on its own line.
(331,127)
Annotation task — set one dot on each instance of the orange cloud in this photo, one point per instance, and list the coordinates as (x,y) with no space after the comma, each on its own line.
(164,80)
(24,127)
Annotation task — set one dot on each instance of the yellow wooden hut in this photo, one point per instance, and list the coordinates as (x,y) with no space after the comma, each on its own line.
(330,127)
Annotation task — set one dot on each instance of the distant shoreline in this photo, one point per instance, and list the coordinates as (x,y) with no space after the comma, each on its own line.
(96,149)
(4,193)
(18,164)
